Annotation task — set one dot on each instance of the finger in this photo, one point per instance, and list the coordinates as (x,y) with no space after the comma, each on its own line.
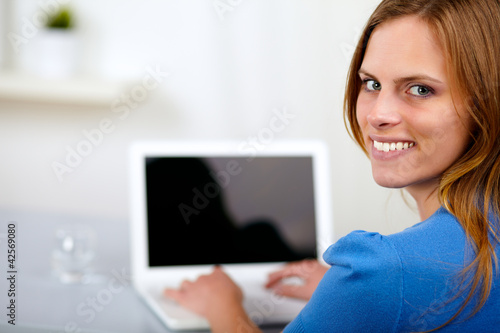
(285,271)
(221,274)
(309,266)
(173,294)
(289,271)
(291,291)
(217,270)
(186,284)
(276,277)
(301,269)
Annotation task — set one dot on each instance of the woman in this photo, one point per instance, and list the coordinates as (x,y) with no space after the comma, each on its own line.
(423,102)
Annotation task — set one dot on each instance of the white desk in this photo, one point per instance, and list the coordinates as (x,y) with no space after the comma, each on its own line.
(43,304)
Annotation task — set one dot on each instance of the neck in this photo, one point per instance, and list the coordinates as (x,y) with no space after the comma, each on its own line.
(426,198)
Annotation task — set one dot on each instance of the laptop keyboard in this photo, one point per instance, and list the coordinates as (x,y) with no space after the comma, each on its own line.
(262,306)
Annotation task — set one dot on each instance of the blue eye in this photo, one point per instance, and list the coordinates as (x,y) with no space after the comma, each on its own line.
(372,85)
(421,91)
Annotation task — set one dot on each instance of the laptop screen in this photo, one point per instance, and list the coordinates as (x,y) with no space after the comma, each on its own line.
(223,210)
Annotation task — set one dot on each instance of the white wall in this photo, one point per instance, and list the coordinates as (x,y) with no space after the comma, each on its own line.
(227,73)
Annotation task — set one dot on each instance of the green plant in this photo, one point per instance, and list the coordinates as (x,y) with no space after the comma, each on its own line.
(62,19)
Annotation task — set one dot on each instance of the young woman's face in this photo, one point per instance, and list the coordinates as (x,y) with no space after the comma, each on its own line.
(412,130)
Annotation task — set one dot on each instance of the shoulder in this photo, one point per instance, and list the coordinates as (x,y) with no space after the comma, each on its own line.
(387,277)
(359,248)
(432,229)
(366,262)
(365,282)
(439,239)
(441,230)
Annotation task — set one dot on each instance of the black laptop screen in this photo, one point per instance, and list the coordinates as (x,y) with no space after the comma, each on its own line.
(223,210)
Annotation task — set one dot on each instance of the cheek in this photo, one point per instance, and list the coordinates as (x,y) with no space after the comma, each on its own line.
(361,112)
(459,136)
(444,139)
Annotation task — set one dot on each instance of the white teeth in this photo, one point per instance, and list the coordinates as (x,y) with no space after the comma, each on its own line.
(391,146)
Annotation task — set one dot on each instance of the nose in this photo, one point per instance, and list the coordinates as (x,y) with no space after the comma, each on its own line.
(385,113)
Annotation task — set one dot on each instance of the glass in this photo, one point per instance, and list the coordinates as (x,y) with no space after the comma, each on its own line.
(73,252)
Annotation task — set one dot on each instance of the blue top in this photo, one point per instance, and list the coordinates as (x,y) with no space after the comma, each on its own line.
(403,282)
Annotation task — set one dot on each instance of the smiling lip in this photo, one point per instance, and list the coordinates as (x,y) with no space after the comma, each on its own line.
(387,148)
(392,146)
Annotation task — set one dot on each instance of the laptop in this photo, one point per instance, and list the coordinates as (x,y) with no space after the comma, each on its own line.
(250,209)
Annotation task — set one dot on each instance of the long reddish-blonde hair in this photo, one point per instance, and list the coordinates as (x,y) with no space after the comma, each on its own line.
(469,32)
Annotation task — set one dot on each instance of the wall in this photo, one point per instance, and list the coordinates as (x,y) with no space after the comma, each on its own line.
(228,69)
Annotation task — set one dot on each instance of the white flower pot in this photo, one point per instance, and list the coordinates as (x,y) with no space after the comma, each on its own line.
(55,53)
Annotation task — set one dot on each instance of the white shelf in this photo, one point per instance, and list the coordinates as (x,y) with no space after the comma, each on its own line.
(74,91)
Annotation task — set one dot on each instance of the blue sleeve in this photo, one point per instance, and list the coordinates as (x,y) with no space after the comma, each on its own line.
(361,292)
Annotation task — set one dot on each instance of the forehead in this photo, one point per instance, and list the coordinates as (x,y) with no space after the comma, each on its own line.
(403,46)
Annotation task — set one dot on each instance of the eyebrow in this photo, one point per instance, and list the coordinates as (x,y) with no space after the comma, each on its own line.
(415,77)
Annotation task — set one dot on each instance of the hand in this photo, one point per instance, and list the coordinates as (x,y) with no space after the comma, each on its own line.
(208,293)
(217,298)
(310,271)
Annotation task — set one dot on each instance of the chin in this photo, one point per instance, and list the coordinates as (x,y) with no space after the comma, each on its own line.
(389,180)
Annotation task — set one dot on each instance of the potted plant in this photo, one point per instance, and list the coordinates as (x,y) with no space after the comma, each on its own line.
(62,19)
(57,45)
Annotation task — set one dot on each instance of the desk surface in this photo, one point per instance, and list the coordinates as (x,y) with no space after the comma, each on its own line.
(43,304)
